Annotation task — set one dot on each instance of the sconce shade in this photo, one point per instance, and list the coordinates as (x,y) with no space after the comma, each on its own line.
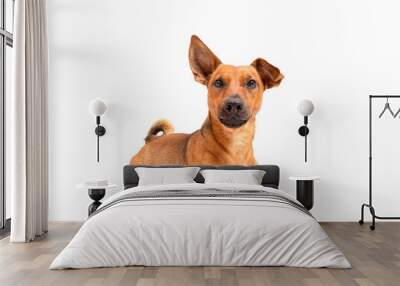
(97,107)
(305,107)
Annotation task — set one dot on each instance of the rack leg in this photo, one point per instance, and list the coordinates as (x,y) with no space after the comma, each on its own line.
(372,210)
(361,221)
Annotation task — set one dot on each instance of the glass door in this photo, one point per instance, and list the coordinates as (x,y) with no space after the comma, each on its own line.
(6,44)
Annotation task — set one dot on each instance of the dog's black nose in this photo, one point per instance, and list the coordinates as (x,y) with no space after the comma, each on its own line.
(234,104)
(234,112)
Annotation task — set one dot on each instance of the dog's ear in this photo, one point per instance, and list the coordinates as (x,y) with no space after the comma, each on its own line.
(202,60)
(270,75)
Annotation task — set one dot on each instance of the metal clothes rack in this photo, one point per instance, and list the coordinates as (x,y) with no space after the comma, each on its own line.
(370,205)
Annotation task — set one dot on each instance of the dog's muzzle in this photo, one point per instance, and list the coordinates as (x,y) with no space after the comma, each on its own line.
(234,113)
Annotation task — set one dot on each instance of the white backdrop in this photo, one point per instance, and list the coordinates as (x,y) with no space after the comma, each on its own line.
(133,54)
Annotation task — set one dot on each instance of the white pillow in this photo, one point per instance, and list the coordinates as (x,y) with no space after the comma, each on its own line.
(248,177)
(165,176)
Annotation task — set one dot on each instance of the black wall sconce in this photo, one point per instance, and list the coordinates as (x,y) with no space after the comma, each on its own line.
(305,108)
(97,107)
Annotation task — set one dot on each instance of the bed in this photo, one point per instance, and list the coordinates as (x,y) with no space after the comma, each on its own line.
(198,224)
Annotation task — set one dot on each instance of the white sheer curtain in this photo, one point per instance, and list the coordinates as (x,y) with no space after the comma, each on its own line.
(28,159)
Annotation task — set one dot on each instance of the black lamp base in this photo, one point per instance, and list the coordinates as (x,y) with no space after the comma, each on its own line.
(100,130)
(303,130)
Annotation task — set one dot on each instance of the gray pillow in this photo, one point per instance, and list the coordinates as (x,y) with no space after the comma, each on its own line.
(248,177)
(163,176)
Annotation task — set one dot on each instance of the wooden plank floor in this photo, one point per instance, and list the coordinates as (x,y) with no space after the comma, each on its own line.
(375,257)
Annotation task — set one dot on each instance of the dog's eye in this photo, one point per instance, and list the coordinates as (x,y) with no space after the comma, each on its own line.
(251,84)
(219,83)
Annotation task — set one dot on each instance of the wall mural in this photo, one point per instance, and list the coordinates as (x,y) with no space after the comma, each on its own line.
(226,138)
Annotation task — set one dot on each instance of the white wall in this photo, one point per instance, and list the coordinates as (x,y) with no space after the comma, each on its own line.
(133,54)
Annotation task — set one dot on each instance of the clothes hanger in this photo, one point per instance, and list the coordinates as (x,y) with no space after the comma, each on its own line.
(397,113)
(387,107)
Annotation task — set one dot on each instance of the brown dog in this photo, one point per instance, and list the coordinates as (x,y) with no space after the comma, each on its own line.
(234,98)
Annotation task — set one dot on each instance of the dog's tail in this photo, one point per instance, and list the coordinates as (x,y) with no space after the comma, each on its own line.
(163,126)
